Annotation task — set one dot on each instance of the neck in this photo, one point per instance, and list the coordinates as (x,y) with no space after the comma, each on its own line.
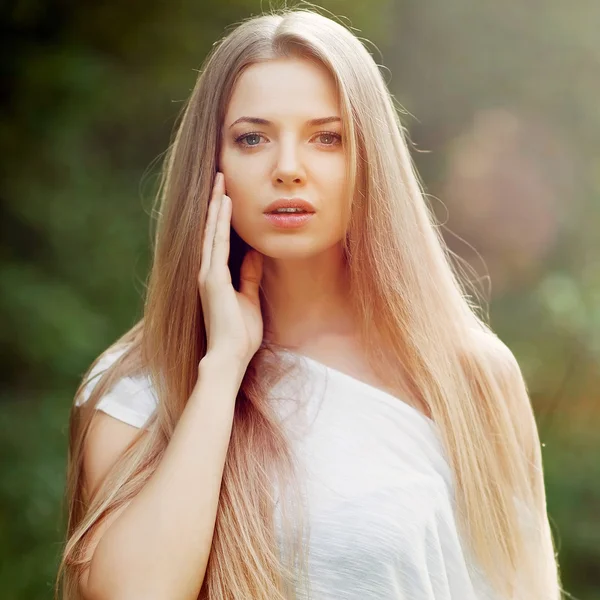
(306,299)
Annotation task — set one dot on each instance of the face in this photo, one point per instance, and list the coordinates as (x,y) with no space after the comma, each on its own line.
(270,150)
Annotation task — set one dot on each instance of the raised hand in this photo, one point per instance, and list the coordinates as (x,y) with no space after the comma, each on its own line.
(233,320)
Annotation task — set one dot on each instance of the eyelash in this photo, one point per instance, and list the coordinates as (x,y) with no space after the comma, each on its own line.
(239,139)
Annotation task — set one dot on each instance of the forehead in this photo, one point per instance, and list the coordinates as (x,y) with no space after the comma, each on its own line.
(284,88)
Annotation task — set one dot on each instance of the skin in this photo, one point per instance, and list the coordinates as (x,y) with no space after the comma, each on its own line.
(304,277)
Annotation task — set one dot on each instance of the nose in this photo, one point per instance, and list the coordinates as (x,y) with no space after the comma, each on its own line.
(289,168)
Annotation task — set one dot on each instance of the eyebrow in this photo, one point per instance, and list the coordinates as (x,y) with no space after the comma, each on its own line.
(310,123)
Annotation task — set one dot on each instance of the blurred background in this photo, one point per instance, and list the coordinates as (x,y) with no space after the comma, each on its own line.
(502,104)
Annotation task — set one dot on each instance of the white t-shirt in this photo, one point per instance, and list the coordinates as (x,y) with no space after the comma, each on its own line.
(131,400)
(378,487)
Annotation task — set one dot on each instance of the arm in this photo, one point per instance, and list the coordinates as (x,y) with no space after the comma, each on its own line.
(157,546)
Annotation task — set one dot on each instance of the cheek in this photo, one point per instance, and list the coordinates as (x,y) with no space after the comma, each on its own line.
(237,183)
(240,178)
(239,186)
(333,184)
(331,172)
(227,166)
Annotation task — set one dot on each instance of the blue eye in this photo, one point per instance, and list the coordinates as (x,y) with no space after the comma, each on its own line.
(252,139)
(247,136)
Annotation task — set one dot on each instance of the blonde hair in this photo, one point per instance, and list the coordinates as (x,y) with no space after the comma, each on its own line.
(413,311)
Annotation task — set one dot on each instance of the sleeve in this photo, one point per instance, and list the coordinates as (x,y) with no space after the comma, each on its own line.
(131,399)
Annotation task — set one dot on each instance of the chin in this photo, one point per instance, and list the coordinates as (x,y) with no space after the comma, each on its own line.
(287,246)
(288,249)
(294,248)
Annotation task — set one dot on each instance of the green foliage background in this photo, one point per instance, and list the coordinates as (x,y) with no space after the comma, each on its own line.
(502,110)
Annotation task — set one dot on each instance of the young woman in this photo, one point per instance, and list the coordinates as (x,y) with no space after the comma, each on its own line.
(311,406)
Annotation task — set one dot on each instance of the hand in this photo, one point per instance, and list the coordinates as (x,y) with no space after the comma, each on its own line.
(233,320)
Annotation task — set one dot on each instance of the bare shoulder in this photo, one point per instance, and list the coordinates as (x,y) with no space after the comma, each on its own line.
(494,350)
(509,379)
(501,360)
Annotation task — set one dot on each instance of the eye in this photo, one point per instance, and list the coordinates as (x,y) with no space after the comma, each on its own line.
(252,138)
(331,138)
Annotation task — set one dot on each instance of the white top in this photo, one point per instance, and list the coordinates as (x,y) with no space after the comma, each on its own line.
(131,400)
(378,488)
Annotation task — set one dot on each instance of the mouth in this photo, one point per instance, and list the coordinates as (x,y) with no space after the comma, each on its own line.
(288,211)
(290,206)
(289,220)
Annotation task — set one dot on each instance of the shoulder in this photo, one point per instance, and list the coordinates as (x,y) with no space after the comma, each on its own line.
(510,382)
(503,365)
(130,399)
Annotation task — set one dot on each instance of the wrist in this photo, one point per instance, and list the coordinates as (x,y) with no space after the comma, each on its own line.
(220,362)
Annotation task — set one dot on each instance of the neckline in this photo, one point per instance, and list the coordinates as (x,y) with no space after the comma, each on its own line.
(382,394)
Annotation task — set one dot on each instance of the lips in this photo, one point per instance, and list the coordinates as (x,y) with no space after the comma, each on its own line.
(290,203)
(287,221)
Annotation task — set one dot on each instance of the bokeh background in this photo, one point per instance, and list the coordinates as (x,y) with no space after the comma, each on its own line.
(502,103)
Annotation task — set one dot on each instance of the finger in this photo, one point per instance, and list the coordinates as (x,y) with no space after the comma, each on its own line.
(211,217)
(220,251)
(211,223)
(209,235)
(251,275)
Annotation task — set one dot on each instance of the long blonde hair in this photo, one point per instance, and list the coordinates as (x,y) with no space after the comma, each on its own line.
(413,312)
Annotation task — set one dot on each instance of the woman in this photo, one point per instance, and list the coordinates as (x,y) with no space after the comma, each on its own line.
(311,406)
